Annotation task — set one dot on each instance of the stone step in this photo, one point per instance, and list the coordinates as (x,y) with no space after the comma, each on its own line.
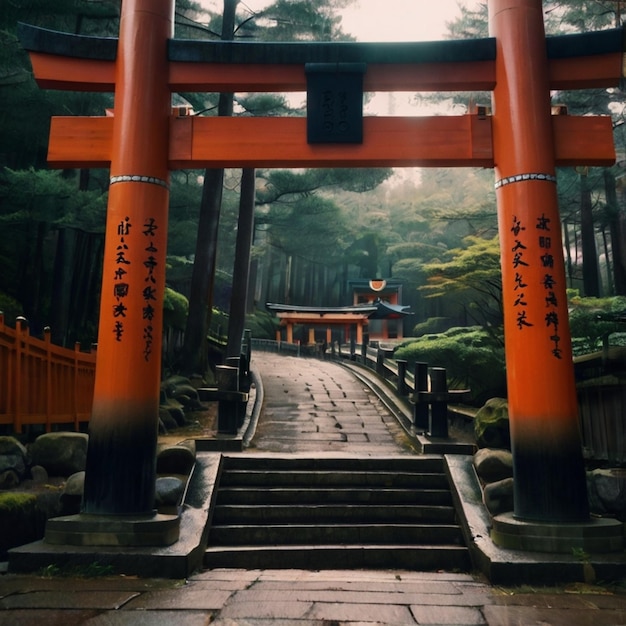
(329,513)
(304,478)
(320,534)
(329,495)
(289,512)
(409,557)
(421,464)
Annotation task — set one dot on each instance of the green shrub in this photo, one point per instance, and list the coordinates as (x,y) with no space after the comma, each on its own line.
(591,319)
(175,309)
(432,325)
(262,325)
(471,356)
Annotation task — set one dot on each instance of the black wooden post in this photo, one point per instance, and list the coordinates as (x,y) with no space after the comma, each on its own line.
(380,361)
(402,386)
(420,408)
(352,345)
(227,410)
(439,405)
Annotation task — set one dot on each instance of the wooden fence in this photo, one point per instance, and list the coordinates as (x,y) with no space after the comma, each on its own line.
(41,383)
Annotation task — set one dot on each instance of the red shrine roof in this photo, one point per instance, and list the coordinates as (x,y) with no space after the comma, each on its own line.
(374,310)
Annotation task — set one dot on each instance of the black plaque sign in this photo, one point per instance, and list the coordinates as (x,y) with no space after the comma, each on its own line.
(335,102)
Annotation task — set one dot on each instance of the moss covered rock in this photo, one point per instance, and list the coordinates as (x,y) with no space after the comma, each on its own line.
(491,424)
(21,520)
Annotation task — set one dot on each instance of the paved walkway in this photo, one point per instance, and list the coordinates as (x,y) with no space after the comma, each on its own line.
(319,406)
(310,406)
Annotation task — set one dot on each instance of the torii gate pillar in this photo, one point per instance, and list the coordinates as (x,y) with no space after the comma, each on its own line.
(121,465)
(547,454)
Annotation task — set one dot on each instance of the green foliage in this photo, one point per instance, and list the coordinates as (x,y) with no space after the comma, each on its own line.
(431,325)
(14,501)
(262,325)
(52,197)
(471,356)
(472,277)
(218,330)
(592,319)
(175,307)
(295,20)
(10,307)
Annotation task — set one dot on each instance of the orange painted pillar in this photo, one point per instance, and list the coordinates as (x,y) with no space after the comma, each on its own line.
(121,472)
(547,455)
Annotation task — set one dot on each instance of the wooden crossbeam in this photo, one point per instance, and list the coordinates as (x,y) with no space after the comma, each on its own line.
(445,141)
(63,61)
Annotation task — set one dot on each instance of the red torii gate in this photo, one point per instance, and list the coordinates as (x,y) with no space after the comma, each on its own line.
(145,139)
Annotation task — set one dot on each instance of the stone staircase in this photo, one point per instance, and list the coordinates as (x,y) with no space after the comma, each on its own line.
(328,513)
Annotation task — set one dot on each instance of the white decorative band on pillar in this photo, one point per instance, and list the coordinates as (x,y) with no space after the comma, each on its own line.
(519,178)
(137,178)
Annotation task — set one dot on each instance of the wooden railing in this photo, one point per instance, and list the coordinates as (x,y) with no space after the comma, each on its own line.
(41,383)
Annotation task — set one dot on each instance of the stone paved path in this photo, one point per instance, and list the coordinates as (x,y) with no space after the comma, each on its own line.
(318,406)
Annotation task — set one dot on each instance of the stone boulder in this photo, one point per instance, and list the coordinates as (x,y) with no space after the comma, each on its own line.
(187,396)
(168,491)
(176,459)
(498,496)
(167,421)
(23,516)
(61,453)
(13,457)
(9,479)
(491,424)
(39,474)
(493,465)
(72,495)
(607,492)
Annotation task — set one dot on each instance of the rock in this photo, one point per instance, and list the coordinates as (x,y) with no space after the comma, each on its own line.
(607,492)
(498,496)
(9,479)
(177,414)
(491,425)
(75,485)
(168,491)
(493,464)
(72,495)
(187,396)
(61,453)
(39,474)
(13,456)
(166,420)
(21,521)
(175,460)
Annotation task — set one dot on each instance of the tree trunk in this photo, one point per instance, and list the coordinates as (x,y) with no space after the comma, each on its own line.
(194,356)
(617,248)
(591,283)
(568,254)
(241,268)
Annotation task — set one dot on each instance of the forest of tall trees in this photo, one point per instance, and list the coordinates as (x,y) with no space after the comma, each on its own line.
(313,230)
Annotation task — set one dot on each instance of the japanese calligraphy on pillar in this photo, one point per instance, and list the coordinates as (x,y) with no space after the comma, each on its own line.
(121,287)
(122,284)
(149,290)
(524,264)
